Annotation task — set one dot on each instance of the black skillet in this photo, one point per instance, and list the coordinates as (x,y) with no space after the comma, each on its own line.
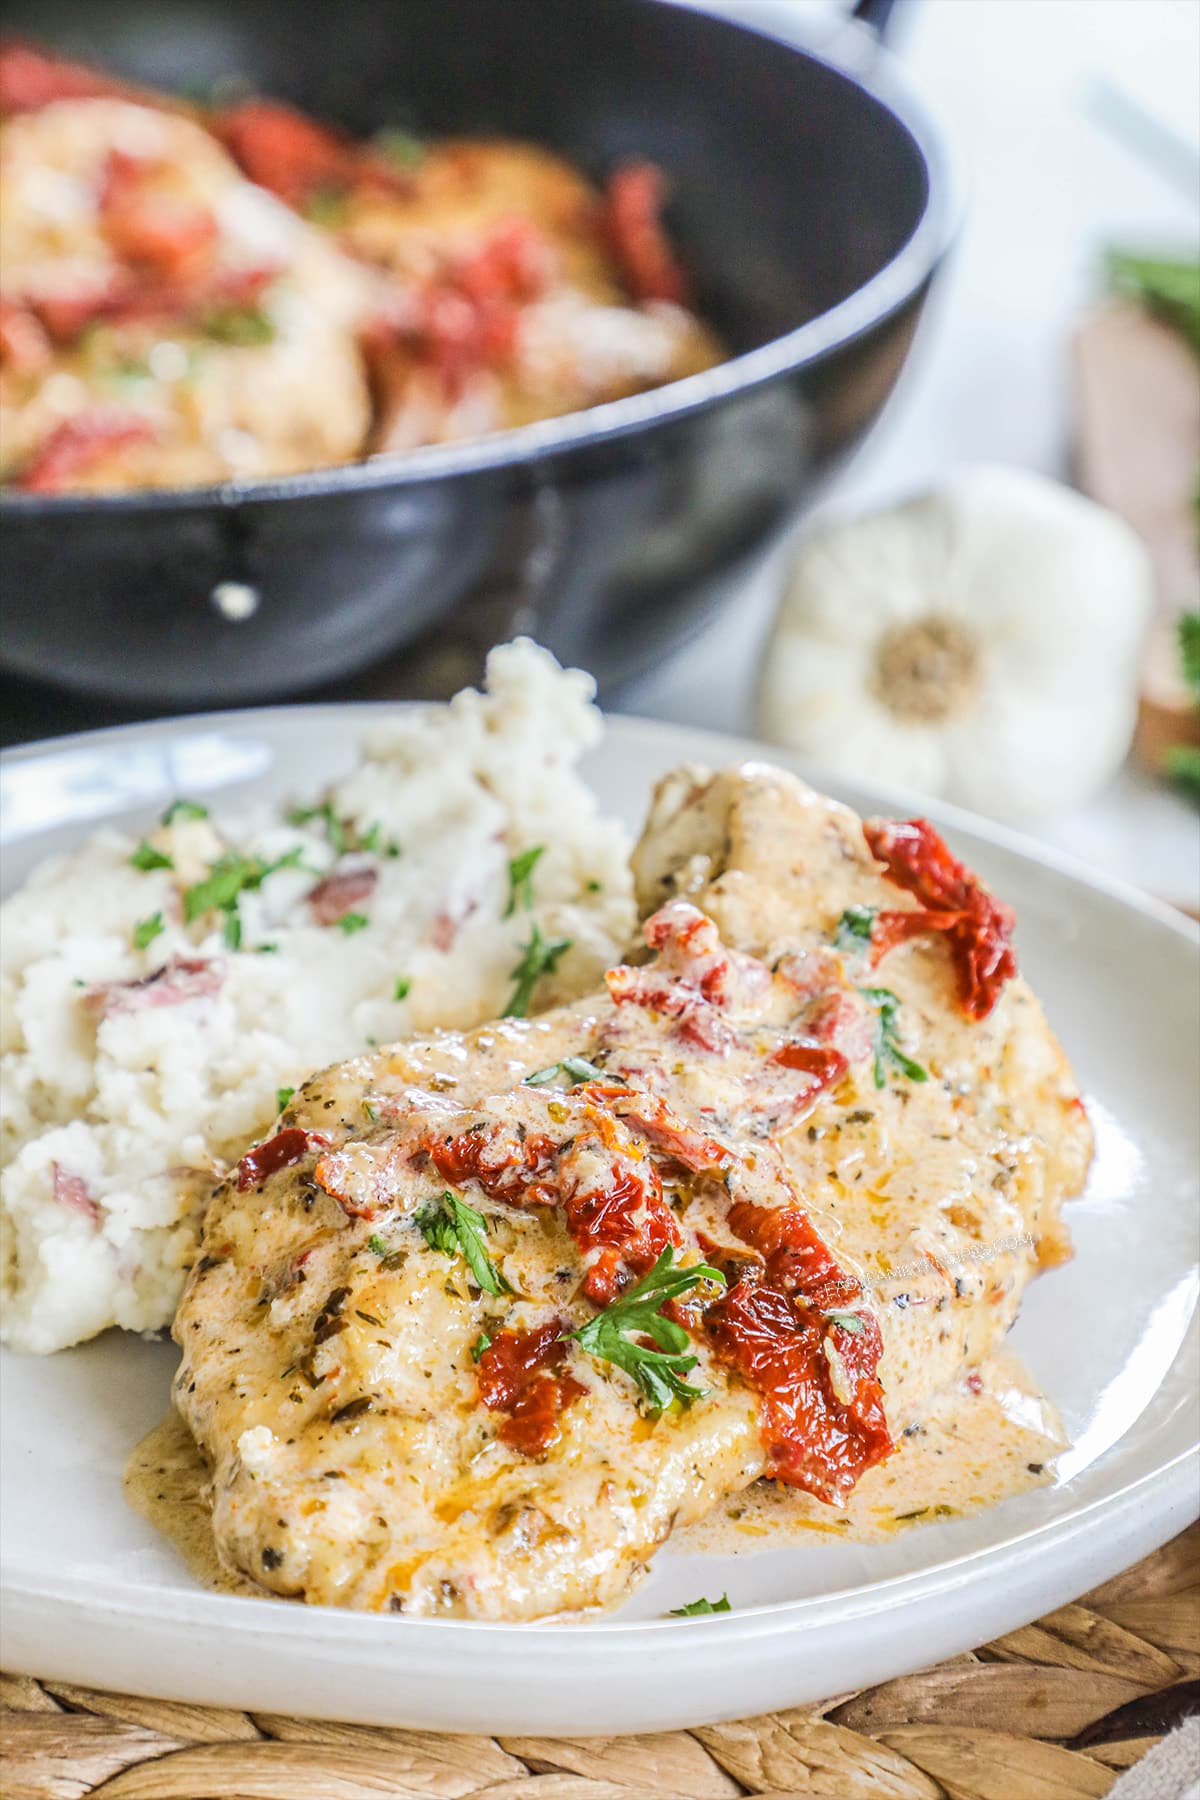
(811,205)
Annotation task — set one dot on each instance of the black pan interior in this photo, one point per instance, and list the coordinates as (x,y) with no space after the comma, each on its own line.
(789,193)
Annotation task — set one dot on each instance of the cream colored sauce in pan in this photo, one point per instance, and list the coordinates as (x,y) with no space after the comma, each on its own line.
(970,1450)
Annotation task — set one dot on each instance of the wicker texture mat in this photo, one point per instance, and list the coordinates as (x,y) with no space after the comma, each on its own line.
(1051,1712)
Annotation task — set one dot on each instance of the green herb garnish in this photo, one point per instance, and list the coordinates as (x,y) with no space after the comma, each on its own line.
(849,1321)
(378,1245)
(520,879)
(1182,761)
(482,1342)
(326,206)
(540,957)
(576,1069)
(334,829)
(282,1096)
(451,1225)
(351,922)
(400,148)
(147,857)
(659,1373)
(888,1054)
(146,930)
(696,1608)
(239,325)
(852,932)
(402,989)
(1166,286)
(184,809)
(227,877)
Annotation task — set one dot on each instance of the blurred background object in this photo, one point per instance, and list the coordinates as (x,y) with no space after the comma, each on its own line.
(811,205)
(1079,124)
(978,644)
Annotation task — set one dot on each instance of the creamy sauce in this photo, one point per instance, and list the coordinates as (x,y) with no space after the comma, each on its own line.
(969,1451)
(166,1481)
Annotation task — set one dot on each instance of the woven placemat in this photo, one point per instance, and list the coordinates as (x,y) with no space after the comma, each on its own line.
(1050,1712)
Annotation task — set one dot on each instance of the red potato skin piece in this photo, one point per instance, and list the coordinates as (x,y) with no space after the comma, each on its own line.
(516,1375)
(338,894)
(977,926)
(71,1191)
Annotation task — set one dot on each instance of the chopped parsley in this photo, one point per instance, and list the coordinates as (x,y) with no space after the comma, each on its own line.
(146,930)
(576,1069)
(520,879)
(658,1373)
(326,206)
(351,922)
(282,1096)
(696,1608)
(184,809)
(451,1225)
(482,1342)
(402,989)
(849,1321)
(232,929)
(852,932)
(240,325)
(266,949)
(335,831)
(226,879)
(378,1245)
(373,839)
(400,148)
(540,956)
(147,857)
(888,1054)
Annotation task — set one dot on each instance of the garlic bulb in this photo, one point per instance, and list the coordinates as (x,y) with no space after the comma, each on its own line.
(979,643)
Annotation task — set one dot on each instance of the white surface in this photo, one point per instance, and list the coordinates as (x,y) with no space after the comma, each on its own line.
(1036,94)
(92,1593)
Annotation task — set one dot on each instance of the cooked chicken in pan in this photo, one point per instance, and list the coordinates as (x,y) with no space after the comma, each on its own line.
(192,294)
(488,1315)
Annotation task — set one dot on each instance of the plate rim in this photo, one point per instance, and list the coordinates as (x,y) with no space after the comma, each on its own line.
(255,1616)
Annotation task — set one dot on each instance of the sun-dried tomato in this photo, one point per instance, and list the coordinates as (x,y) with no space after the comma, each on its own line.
(278,1152)
(633,224)
(517,1374)
(78,444)
(150,228)
(816,1438)
(30,79)
(977,927)
(281,149)
(798,1261)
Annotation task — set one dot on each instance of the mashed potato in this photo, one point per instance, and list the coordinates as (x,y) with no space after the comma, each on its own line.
(133,1075)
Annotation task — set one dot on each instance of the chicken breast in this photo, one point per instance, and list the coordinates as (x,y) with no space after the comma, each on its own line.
(164,322)
(489,1314)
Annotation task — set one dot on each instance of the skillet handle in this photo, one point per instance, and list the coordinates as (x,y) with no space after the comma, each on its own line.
(874,14)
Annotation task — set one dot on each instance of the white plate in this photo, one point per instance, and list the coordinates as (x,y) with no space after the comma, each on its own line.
(92,1594)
